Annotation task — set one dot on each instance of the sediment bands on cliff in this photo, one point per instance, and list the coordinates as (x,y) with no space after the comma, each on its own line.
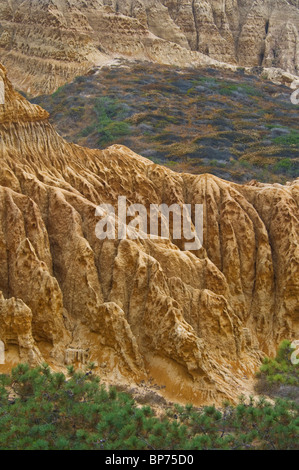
(46,43)
(195,322)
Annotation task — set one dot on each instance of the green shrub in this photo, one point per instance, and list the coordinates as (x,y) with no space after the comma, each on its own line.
(287,166)
(42,410)
(279,377)
(290,139)
(281,369)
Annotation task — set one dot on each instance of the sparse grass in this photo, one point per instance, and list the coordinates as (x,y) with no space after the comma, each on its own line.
(291,139)
(204,115)
(230,89)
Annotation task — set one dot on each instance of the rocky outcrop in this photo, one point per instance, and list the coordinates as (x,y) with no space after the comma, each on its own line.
(16,329)
(46,44)
(195,322)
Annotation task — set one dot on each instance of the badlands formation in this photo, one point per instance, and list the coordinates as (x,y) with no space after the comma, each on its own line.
(198,323)
(46,43)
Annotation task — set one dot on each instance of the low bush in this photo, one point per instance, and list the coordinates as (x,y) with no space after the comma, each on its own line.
(42,410)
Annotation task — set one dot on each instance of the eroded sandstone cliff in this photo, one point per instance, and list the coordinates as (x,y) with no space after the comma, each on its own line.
(46,43)
(197,323)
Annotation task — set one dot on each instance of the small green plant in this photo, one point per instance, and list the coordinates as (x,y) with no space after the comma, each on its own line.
(279,377)
(291,139)
(110,127)
(228,89)
(287,167)
(281,369)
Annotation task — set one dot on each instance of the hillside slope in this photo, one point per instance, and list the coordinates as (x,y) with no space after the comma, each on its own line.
(233,125)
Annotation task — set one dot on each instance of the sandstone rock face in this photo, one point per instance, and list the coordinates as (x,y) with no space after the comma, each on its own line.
(47,43)
(195,322)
